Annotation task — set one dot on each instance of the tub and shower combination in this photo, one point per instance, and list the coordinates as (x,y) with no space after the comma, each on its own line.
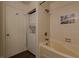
(57,50)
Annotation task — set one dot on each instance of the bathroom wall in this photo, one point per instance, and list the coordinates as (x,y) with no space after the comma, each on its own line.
(32,5)
(43,22)
(60,32)
(17,4)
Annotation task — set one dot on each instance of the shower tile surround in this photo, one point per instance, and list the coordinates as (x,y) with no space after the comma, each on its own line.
(66,34)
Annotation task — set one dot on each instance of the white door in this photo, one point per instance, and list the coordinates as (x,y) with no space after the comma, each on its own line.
(15,31)
(32,36)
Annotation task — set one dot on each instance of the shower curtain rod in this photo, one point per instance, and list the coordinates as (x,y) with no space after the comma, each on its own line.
(42,2)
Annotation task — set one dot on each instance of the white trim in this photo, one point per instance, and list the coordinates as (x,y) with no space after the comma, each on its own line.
(4,30)
(37,41)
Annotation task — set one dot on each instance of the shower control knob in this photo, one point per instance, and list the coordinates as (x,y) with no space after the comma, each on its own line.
(45,33)
(7,34)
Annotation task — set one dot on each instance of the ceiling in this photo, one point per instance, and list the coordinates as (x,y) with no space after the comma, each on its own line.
(28,2)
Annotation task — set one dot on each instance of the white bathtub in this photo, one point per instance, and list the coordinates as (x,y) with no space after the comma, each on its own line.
(56,51)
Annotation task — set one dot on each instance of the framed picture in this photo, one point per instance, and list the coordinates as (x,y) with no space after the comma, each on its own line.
(67,19)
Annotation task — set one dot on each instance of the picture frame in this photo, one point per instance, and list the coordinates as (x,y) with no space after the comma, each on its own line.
(68,19)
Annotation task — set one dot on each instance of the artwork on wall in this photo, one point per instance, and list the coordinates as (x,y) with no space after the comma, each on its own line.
(68,19)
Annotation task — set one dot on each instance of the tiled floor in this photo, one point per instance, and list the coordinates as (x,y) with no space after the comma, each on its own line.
(25,54)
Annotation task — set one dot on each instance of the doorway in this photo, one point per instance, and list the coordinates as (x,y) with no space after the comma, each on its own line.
(32,32)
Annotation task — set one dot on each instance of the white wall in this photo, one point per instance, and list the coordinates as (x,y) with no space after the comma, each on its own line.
(43,22)
(58,32)
(32,5)
(18,5)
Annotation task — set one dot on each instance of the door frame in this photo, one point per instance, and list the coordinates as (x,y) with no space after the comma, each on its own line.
(37,41)
(4,29)
(31,14)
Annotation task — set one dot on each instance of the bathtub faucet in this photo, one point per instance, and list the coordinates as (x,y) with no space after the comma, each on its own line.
(47,41)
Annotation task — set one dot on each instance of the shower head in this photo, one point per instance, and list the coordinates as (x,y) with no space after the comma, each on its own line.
(42,2)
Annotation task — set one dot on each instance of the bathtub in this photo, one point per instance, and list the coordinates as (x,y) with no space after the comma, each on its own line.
(56,50)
